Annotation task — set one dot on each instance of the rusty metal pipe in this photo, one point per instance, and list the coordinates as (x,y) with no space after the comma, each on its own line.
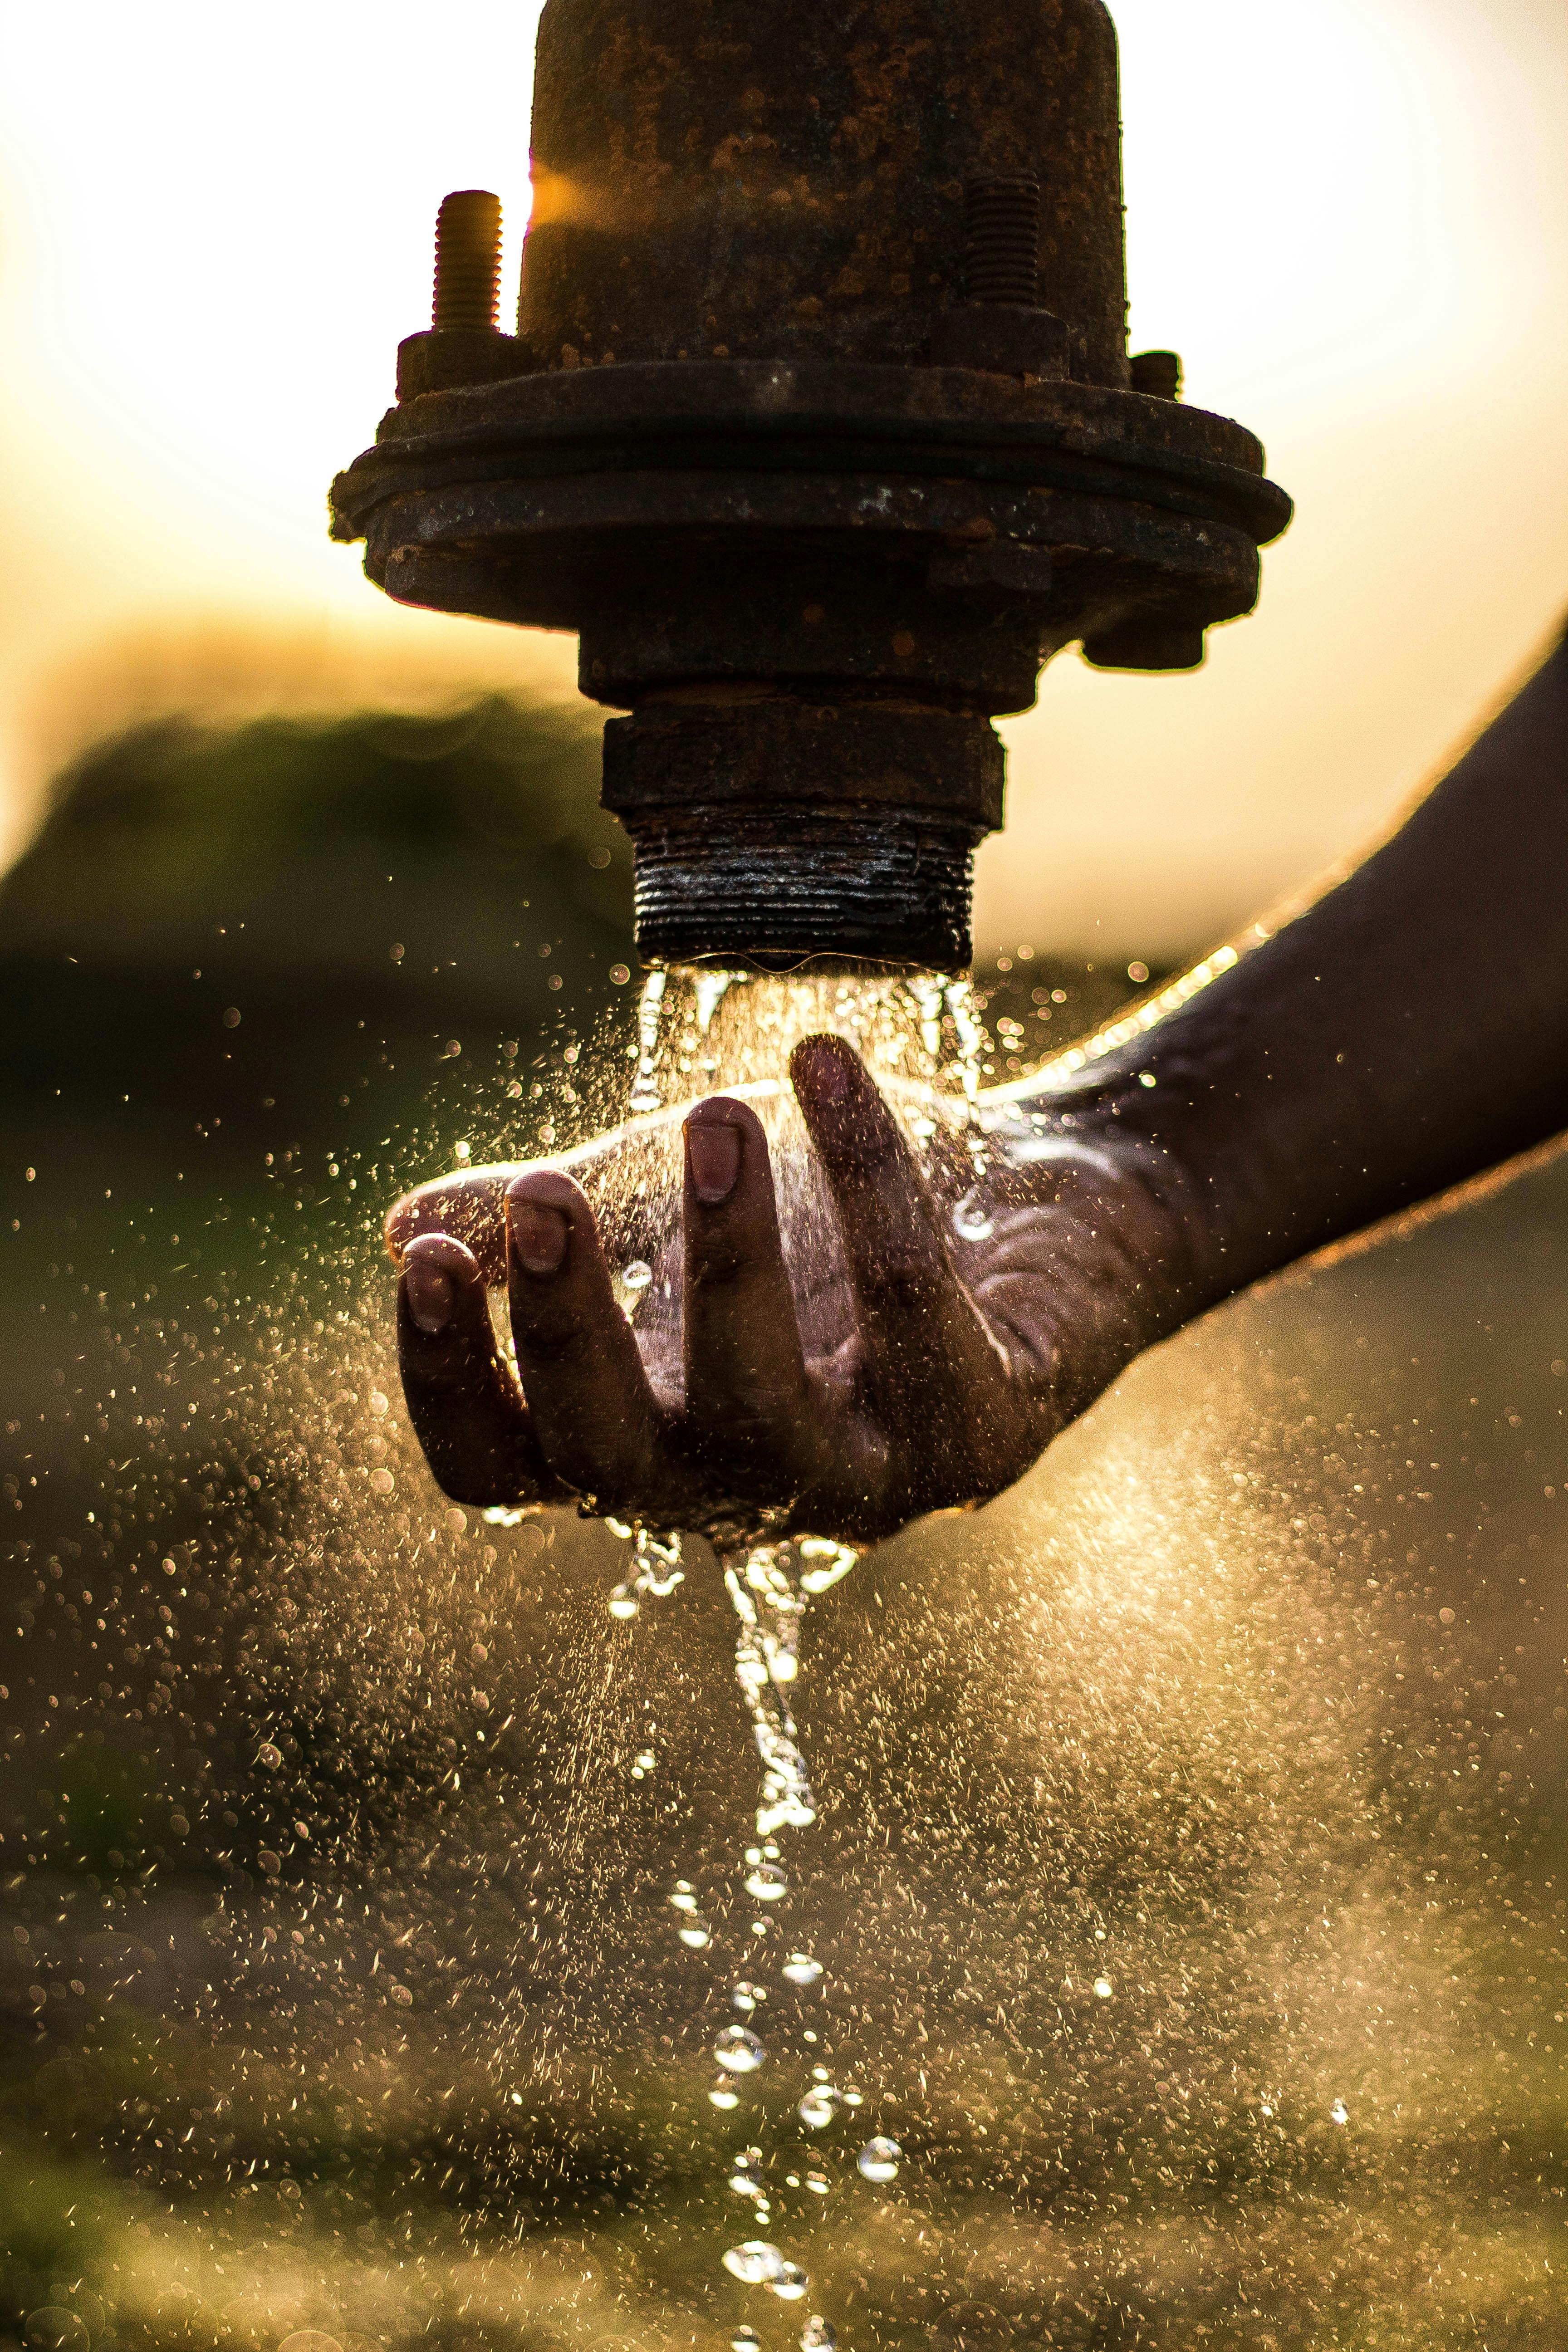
(819,428)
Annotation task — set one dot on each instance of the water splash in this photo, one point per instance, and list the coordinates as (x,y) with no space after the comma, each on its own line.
(765,1588)
(657,1572)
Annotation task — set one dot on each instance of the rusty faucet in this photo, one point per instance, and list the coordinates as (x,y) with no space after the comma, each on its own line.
(819,429)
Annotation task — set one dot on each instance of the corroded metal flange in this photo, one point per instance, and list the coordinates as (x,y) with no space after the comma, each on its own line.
(822,437)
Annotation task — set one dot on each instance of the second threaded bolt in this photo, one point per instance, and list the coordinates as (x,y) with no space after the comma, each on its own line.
(1002,240)
(468,261)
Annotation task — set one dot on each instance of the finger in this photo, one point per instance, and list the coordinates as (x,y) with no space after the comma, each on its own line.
(932,1359)
(470,1208)
(747,1398)
(597,1420)
(467,1410)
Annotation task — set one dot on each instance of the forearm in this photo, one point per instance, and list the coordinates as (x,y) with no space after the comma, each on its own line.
(1407,1031)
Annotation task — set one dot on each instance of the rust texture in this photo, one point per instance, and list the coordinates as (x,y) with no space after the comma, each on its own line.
(819,428)
(717,179)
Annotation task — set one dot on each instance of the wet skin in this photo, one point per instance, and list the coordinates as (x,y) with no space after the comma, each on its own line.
(1405,1032)
(908,1371)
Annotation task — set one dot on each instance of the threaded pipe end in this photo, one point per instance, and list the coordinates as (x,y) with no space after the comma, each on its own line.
(468,261)
(1002,240)
(774,888)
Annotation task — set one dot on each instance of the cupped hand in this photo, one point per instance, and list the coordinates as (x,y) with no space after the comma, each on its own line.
(892,1358)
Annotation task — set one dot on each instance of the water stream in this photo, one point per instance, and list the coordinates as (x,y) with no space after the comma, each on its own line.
(902,1027)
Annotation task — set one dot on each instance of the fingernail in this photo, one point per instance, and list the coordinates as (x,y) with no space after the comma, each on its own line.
(430,1295)
(714,1151)
(826,1067)
(539,1237)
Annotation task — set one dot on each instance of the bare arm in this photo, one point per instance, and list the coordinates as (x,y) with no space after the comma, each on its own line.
(1407,1031)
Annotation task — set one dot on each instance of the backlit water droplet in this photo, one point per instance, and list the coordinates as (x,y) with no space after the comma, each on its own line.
(745,2339)
(1338,2113)
(767,1882)
(971,1219)
(684,1895)
(723,2095)
(637,1275)
(745,1997)
(739,2050)
(623,1602)
(695,1934)
(790,2283)
(800,1968)
(818,2335)
(268,1755)
(819,2106)
(754,2264)
(1103,1987)
(879,2160)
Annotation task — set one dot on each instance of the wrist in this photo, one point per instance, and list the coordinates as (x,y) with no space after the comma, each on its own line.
(1102,1242)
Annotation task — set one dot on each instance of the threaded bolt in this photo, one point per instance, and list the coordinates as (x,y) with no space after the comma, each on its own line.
(1002,240)
(468,261)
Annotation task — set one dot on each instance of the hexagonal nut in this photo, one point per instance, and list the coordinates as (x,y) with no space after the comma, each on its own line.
(1157,374)
(1148,642)
(444,359)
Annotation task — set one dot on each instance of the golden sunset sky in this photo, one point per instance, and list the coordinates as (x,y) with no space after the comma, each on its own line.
(1349,215)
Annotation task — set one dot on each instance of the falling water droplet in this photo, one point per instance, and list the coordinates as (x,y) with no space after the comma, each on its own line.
(1338,2113)
(767,1882)
(745,2339)
(819,2106)
(695,1934)
(790,2283)
(971,1219)
(927,992)
(819,2183)
(723,2095)
(745,1997)
(712,988)
(623,1602)
(637,1275)
(642,1762)
(645,1094)
(684,1896)
(756,2263)
(829,1563)
(268,1755)
(800,1968)
(879,2160)
(739,2050)
(818,2335)
(1103,1987)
